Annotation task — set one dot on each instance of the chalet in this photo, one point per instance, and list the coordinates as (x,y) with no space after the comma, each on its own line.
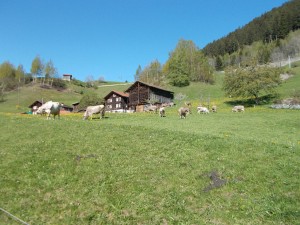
(141,93)
(35,105)
(116,101)
(67,77)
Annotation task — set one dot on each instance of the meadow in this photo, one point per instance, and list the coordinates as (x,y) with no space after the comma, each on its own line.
(221,168)
(142,169)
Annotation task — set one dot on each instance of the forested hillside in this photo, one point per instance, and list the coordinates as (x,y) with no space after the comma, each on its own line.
(273,25)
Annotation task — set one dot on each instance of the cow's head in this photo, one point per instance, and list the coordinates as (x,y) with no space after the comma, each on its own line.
(40,110)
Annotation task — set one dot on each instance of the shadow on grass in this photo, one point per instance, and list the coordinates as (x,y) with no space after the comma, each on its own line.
(98,118)
(250,102)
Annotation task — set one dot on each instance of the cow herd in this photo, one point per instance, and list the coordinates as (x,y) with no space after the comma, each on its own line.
(53,108)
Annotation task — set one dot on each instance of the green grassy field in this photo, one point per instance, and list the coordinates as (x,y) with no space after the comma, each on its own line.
(221,168)
(142,169)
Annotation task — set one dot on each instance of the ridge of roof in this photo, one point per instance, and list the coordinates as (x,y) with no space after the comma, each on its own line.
(150,85)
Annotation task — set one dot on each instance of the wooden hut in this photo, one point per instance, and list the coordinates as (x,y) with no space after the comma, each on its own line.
(116,101)
(35,105)
(67,77)
(141,93)
(75,106)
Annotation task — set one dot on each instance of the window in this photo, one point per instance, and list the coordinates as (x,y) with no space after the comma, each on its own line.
(118,105)
(109,100)
(118,99)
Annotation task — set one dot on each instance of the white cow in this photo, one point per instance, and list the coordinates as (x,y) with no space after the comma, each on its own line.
(238,108)
(50,108)
(97,109)
(34,109)
(162,112)
(201,109)
(150,108)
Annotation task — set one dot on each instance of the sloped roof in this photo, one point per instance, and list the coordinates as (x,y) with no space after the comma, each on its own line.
(34,103)
(149,85)
(122,94)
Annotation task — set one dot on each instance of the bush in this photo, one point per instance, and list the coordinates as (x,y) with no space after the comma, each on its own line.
(179,80)
(78,83)
(59,83)
(89,98)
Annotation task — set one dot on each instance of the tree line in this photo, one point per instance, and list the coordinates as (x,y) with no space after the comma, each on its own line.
(271,26)
(272,37)
(186,64)
(12,77)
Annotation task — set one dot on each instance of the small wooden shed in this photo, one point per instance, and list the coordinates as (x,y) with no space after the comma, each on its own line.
(75,106)
(67,77)
(35,105)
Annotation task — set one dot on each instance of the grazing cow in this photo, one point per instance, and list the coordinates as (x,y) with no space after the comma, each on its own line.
(238,108)
(97,109)
(162,112)
(183,112)
(150,108)
(34,109)
(188,104)
(201,109)
(50,108)
(214,108)
(169,104)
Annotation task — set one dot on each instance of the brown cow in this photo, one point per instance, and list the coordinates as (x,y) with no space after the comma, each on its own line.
(183,111)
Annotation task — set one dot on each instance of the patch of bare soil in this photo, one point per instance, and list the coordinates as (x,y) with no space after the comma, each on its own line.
(216,181)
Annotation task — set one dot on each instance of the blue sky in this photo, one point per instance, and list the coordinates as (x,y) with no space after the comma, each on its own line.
(111,38)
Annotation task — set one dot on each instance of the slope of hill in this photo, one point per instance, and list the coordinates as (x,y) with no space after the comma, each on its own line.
(273,25)
(18,101)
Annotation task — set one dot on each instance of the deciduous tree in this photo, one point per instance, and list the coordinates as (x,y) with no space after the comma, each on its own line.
(36,67)
(187,63)
(251,81)
(89,98)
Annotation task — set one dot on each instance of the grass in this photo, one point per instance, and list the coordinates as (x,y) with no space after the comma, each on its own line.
(142,169)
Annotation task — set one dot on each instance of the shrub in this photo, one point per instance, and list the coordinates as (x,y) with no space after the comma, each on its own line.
(89,98)
(59,83)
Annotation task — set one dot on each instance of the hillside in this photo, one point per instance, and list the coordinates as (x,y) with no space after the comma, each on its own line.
(273,25)
(18,101)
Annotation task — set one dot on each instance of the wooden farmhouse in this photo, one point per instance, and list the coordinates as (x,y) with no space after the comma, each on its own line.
(116,101)
(141,93)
